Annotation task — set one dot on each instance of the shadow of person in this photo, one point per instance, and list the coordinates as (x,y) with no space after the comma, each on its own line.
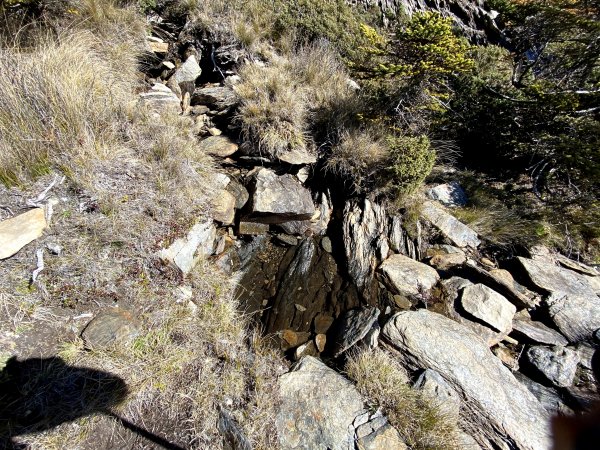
(39,394)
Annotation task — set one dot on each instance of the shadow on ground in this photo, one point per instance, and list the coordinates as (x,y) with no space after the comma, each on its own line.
(39,394)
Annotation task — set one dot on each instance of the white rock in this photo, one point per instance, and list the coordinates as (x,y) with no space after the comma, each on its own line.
(450,226)
(406,276)
(488,306)
(186,252)
(18,231)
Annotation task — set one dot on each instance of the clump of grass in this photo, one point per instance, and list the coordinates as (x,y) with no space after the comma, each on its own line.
(422,423)
(60,104)
(279,100)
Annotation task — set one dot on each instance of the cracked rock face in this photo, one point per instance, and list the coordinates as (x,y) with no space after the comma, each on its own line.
(557,364)
(506,409)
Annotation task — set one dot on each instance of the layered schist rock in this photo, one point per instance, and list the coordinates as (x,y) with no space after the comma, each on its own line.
(507,411)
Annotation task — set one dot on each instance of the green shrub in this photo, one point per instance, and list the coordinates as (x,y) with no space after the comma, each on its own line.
(411,160)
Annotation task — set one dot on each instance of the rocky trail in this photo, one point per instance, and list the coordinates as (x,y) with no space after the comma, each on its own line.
(506,341)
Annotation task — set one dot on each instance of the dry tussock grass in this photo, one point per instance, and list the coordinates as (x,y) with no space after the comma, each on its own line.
(282,100)
(420,421)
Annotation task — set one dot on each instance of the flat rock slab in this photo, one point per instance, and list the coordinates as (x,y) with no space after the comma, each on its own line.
(405,276)
(488,306)
(18,231)
(537,332)
(161,98)
(110,328)
(318,407)
(506,408)
(557,364)
(448,194)
(280,198)
(450,226)
(353,327)
(220,146)
(186,252)
(572,302)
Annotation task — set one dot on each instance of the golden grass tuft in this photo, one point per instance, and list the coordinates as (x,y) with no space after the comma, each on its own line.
(422,423)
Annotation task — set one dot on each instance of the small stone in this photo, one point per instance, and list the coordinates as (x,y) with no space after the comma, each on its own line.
(508,358)
(445,262)
(297,157)
(290,337)
(320,341)
(160,48)
(322,323)
(220,146)
(214,131)
(223,207)
(18,231)
(456,231)
(303,174)
(168,64)
(326,244)
(239,192)
(287,239)
(308,349)
(487,262)
(54,248)
(406,276)
(300,307)
(186,252)
(114,327)
(402,302)
(253,228)
(557,364)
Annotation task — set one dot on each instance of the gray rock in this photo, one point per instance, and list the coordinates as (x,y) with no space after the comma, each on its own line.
(18,231)
(287,239)
(354,326)
(307,349)
(444,396)
(450,226)
(507,411)
(219,97)
(220,146)
(586,354)
(278,199)
(297,156)
(116,327)
(384,438)
(186,252)
(326,244)
(296,227)
(448,194)
(364,222)
(239,192)
(536,332)
(223,207)
(318,408)
(161,99)
(406,276)
(548,397)
(188,72)
(572,302)
(488,306)
(576,266)
(557,364)
(233,435)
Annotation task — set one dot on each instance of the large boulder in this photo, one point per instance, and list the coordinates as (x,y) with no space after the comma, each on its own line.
(405,276)
(557,364)
(488,306)
(280,198)
(456,231)
(18,231)
(572,302)
(318,408)
(508,412)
